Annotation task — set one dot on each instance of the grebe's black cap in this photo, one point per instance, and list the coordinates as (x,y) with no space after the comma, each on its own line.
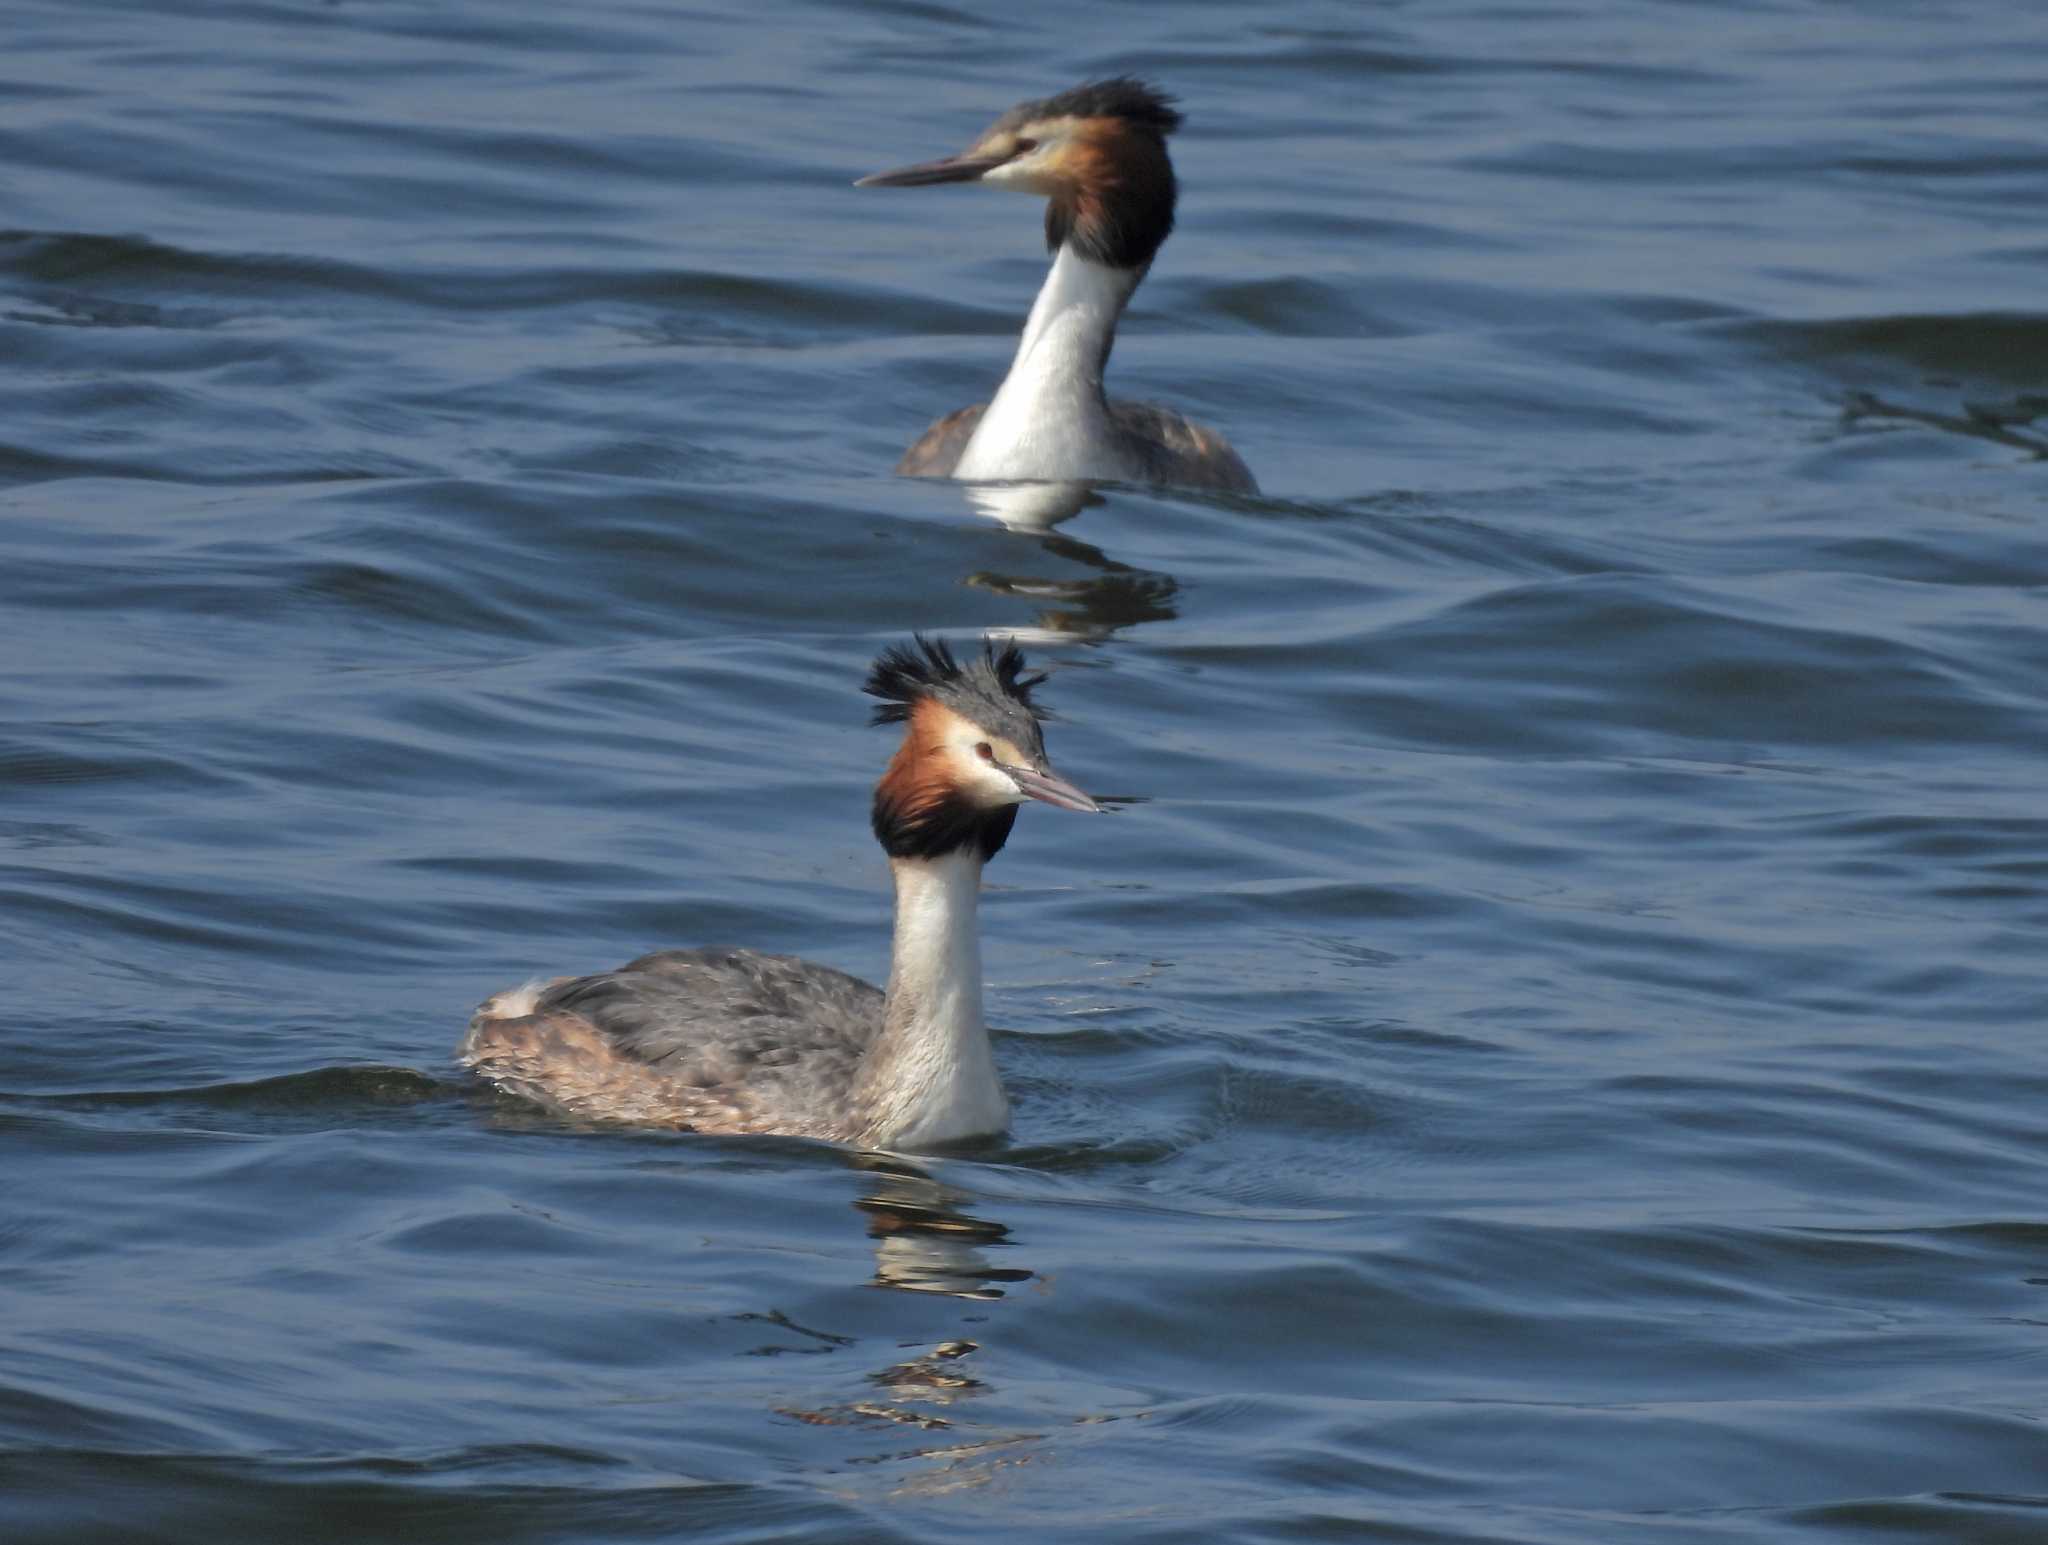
(1120,96)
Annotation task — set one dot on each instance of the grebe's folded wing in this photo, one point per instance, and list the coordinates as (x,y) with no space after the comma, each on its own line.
(1181,452)
(937,451)
(718,1040)
(710,1016)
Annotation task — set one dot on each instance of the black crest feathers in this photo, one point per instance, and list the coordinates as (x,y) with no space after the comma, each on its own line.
(927,667)
(1121,96)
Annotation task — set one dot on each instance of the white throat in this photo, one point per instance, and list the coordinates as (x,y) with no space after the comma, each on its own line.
(931,1075)
(1049,418)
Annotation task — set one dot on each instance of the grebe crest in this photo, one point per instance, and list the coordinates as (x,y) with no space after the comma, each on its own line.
(733,1040)
(1097,154)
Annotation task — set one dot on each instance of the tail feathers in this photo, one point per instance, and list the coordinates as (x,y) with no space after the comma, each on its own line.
(515,1002)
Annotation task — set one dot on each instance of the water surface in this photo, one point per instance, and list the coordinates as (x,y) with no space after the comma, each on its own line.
(1559,1056)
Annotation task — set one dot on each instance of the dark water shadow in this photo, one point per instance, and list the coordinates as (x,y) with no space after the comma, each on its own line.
(321,1095)
(2000,423)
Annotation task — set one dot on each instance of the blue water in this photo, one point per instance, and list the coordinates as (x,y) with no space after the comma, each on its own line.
(1557,1057)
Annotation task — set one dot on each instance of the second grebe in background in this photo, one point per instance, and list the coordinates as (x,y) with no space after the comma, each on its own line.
(1098,155)
(732,1040)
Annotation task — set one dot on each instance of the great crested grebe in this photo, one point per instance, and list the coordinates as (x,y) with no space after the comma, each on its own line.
(1098,155)
(732,1040)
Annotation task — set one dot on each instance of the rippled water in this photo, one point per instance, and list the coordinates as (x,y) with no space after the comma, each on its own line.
(1559,1057)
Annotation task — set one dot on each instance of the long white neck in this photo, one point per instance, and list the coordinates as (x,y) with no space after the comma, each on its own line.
(930,1076)
(1049,418)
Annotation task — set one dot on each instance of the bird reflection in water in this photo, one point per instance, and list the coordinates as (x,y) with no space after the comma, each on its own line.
(924,1241)
(1082,610)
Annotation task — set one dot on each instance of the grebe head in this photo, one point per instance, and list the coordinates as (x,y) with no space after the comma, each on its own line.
(972,750)
(1097,153)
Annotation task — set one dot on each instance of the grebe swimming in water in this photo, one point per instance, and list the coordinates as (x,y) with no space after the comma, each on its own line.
(732,1040)
(1098,155)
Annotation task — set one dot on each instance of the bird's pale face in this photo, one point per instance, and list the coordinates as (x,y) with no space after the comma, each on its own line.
(985,767)
(1046,156)
(961,753)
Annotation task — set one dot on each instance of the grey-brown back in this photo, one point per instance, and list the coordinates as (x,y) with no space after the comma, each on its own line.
(715,1039)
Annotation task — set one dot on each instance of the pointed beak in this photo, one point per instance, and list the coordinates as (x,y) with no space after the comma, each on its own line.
(1049,786)
(925,173)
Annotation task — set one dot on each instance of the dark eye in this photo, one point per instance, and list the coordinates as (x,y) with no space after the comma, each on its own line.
(1025,147)
(985,751)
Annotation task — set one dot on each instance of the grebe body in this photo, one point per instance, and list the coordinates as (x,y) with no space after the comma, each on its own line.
(734,1040)
(1098,156)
